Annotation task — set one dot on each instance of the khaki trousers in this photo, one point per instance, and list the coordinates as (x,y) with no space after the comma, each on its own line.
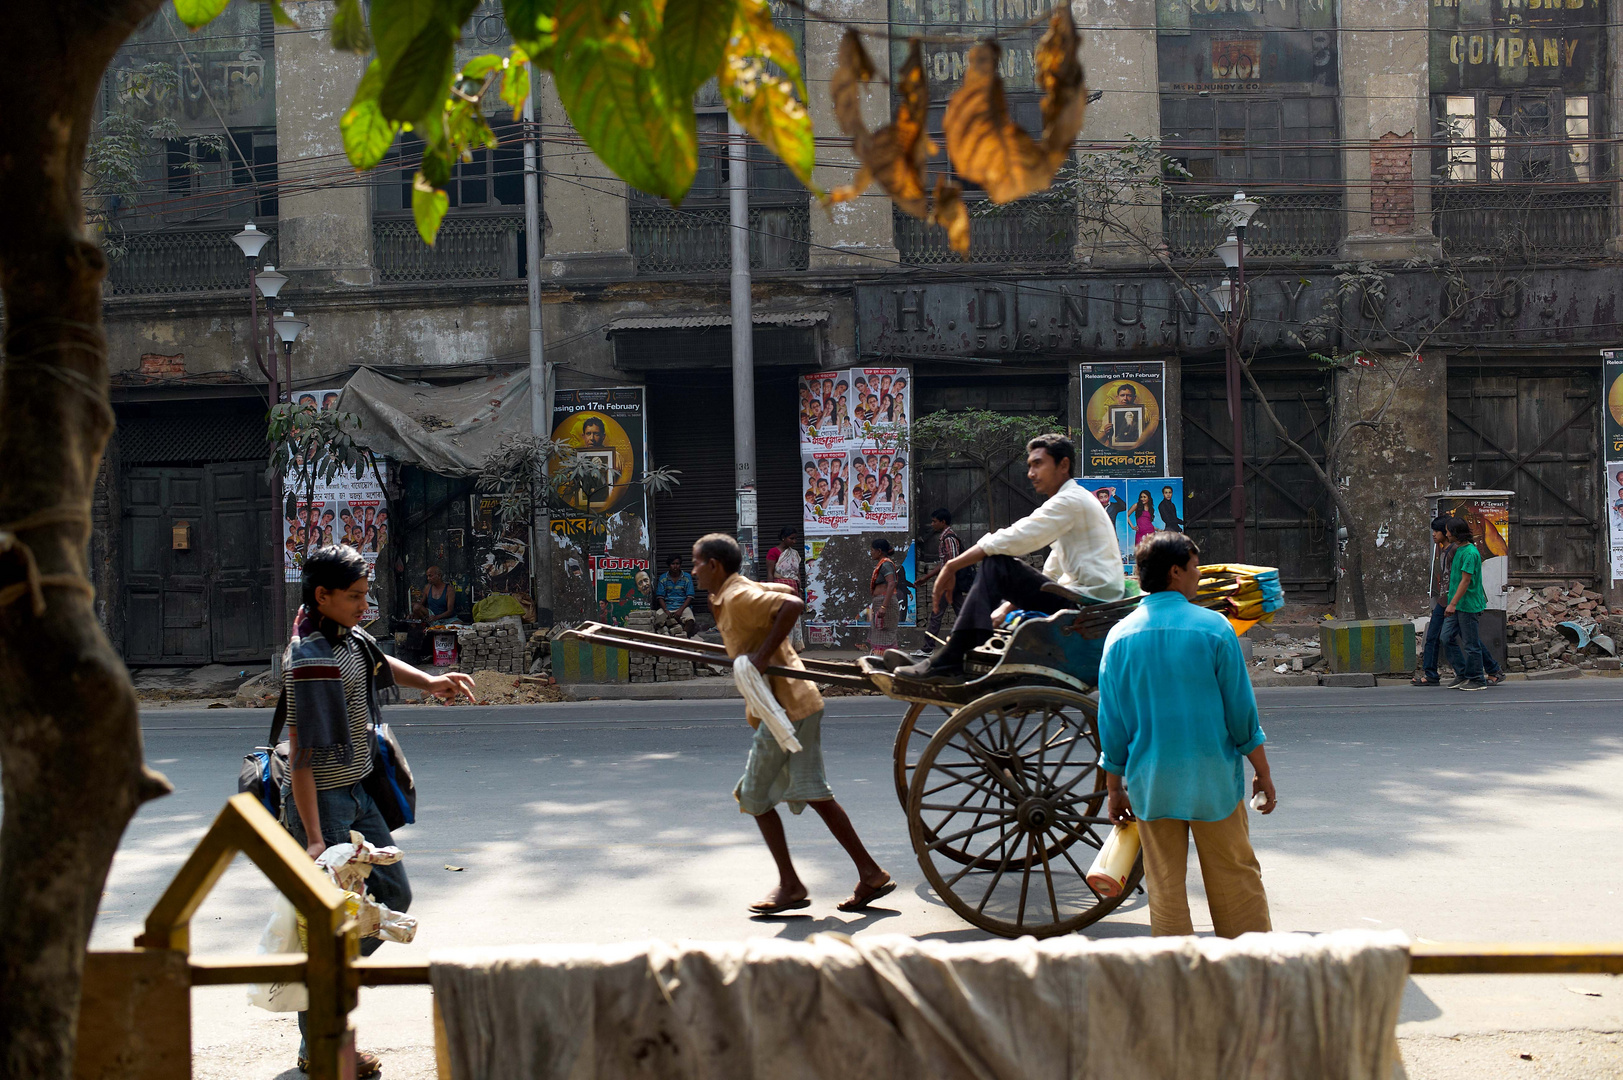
(1228,866)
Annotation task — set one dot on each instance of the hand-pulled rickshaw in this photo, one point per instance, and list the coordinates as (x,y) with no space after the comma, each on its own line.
(1004,799)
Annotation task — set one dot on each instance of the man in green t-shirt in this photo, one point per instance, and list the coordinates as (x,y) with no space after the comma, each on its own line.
(1466,601)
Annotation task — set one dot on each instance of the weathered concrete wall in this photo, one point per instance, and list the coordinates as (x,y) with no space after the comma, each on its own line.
(1119,60)
(584,204)
(857,233)
(1384,90)
(1386,473)
(326,232)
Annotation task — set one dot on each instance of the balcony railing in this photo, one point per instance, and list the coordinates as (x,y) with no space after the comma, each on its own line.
(1523,222)
(696,240)
(181,259)
(475,247)
(1289,225)
(1040,230)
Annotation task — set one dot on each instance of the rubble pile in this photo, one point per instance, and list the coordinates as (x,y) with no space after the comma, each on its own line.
(1534,640)
(492,646)
(1285,654)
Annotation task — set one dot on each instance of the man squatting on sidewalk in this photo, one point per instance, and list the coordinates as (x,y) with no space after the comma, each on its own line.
(1176,715)
(755,618)
(1084,562)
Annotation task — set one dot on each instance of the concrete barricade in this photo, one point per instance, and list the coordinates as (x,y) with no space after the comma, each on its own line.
(1372,645)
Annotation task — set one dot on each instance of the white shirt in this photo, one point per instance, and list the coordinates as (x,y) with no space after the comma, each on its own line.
(1084,555)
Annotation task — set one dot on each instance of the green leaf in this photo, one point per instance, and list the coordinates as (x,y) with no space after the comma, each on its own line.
(396,24)
(516,83)
(279,14)
(534,27)
(693,42)
(437,163)
(611,88)
(418,80)
(480,66)
(765,104)
(367,133)
(349,33)
(195,13)
(428,206)
(754,34)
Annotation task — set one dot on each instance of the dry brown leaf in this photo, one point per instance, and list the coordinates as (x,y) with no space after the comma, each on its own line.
(950,213)
(985,144)
(895,154)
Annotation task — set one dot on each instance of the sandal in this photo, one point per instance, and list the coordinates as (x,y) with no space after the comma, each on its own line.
(366,1065)
(1420,680)
(778,906)
(860,899)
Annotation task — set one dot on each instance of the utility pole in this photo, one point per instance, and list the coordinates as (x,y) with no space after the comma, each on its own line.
(540,373)
(743,343)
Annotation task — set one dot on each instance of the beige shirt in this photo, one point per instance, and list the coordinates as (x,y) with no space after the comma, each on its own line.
(744,611)
(1083,553)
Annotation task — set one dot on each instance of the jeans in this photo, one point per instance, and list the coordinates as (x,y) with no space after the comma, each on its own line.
(343,809)
(1434,639)
(1463,646)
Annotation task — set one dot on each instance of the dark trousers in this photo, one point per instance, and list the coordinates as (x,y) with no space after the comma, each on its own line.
(957,601)
(1000,578)
(1434,641)
(343,809)
(1463,646)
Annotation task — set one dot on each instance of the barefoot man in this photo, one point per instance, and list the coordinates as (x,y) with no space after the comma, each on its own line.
(755,619)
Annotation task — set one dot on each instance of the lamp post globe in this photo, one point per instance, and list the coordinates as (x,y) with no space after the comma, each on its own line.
(251,241)
(270,282)
(288,328)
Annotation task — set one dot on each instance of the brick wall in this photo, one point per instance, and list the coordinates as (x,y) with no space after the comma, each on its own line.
(158,364)
(1391,172)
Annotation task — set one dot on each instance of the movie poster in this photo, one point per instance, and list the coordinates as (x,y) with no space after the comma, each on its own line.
(855,480)
(1489,519)
(1124,429)
(501,546)
(601,481)
(623,586)
(1611,368)
(1137,508)
(347,510)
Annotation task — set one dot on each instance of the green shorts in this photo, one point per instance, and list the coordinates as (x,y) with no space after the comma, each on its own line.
(773,775)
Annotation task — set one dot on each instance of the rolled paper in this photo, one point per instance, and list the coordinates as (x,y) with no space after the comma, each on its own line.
(1111,867)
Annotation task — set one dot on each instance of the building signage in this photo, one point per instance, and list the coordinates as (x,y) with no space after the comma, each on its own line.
(1512,44)
(1213,46)
(1124,431)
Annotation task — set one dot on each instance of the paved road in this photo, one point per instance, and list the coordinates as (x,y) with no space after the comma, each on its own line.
(1450,816)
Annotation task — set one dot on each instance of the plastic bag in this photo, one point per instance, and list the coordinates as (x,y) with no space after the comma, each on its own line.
(281,936)
(758,695)
(497,606)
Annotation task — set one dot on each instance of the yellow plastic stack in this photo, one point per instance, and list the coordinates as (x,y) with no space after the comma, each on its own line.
(1244,593)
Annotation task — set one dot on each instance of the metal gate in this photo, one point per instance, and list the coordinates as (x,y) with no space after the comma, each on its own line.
(1289,516)
(1534,432)
(198,563)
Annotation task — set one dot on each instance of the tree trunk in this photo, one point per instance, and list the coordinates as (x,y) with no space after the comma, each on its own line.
(1355,551)
(70,740)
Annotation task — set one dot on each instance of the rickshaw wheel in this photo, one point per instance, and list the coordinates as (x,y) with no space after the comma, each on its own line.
(1006,810)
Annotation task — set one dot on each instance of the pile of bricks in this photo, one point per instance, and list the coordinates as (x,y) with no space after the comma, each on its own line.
(493,646)
(1533,641)
(646,667)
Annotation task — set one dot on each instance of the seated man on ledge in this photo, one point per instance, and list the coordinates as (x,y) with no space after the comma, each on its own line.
(1083,559)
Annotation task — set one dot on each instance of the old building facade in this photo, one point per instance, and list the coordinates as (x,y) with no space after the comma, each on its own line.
(1462,152)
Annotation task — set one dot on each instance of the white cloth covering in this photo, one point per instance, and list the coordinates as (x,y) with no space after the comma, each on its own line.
(1263,1007)
(1085,554)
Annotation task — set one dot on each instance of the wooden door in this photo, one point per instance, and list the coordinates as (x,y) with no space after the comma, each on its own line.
(165,576)
(1534,432)
(242,556)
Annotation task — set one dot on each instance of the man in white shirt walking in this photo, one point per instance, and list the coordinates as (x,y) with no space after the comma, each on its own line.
(1083,557)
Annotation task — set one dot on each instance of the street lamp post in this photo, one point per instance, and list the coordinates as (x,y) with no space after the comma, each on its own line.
(251,242)
(1238,213)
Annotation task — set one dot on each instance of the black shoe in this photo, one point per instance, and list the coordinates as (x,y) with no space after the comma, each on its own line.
(896,658)
(1459,681)
(1473,684)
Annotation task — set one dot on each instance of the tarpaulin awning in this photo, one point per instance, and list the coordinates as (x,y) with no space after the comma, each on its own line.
(449,430)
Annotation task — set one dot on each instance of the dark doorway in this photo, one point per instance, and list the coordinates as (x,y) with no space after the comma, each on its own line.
(198,563)
(1533,432)
(1289,517)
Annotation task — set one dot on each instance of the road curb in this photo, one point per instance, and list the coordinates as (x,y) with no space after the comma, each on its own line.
(721,686)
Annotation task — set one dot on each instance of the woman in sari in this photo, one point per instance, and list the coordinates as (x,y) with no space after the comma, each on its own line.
(884,611)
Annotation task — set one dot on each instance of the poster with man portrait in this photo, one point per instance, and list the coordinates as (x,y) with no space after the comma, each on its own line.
(1112,495)
(1614,516)
(602,480)
(1612,383)
(1123,419)
(825,491)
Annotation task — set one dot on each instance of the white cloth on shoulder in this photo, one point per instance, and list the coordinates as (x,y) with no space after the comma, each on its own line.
(763,703)
(830,1008)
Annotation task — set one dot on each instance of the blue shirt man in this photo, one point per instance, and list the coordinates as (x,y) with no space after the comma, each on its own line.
(673,596)
(1176,716)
